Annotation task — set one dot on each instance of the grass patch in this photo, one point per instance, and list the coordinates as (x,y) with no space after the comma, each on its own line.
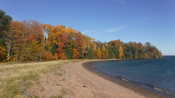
(15,79)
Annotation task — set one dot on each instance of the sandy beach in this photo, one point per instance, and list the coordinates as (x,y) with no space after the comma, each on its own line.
(77,81)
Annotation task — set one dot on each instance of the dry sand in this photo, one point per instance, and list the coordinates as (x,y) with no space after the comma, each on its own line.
(75,81)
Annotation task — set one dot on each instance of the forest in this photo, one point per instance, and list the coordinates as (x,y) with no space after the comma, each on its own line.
(33,41)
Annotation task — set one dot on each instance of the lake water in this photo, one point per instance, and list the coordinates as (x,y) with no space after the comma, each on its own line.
(154,73)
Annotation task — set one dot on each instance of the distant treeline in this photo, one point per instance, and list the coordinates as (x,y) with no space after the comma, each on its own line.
(32,41)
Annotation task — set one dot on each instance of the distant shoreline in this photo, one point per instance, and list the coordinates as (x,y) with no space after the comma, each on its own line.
(149,93)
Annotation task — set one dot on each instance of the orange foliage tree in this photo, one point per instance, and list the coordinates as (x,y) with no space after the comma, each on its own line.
(32,41)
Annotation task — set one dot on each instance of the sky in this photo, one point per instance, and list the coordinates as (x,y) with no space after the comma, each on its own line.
(128,20)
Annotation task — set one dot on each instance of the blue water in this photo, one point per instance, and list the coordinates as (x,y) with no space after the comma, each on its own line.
(157,73)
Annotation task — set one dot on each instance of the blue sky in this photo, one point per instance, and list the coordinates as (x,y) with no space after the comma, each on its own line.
(104,20)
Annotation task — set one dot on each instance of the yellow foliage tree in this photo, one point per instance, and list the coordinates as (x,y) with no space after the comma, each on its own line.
(76,54)
(99,53)
(121,52)
(2,53)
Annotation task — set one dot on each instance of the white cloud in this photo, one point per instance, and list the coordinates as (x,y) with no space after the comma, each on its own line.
(115,29)
(89,31)
(109,30)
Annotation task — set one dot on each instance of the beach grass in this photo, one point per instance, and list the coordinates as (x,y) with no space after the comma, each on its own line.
(15,78)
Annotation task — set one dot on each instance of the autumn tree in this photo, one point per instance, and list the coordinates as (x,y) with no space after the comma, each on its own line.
(26,41)
(32,41)
(29,42)
(76,54)
(4,27)
(121,53)
(99,53)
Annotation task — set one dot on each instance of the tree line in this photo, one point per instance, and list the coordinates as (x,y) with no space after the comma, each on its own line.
(32,41)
